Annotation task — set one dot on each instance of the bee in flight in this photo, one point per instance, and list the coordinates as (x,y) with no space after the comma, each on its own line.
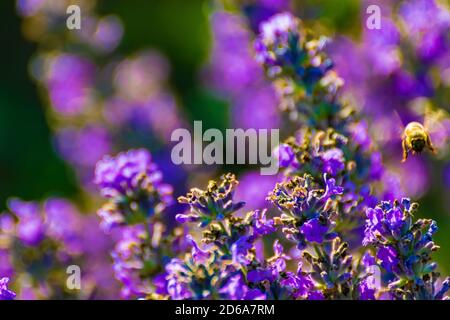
(415,138)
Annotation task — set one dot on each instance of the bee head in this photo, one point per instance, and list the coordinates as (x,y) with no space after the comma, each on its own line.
(418,145)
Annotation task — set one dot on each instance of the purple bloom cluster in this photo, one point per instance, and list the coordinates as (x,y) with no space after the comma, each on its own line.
(306,209)
(119,175)
(137,199)
(216,271)
(285,49)
(403,248)
(133,183)
(230,265)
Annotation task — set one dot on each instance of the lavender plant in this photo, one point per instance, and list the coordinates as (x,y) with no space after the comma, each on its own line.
(137,199)
(332,139)
(329,220)
(331,168)
(231,266)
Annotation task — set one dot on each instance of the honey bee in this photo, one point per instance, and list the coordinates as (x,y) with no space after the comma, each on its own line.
(416,138)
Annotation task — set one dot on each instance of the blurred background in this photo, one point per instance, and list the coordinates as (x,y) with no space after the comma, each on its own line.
(179,41)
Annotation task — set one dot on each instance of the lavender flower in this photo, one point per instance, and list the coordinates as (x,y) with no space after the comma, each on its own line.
(306,209)
(134,184)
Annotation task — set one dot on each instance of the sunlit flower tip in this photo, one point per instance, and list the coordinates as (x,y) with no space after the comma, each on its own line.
(119,175)
(178,290)
(278,28)
(214,203)
(184,218)
(279,259)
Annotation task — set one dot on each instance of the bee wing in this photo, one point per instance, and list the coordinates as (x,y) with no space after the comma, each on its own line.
(399,127)
(434,124)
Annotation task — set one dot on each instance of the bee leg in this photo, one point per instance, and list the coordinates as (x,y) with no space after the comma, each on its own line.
(430,145)
(405,150)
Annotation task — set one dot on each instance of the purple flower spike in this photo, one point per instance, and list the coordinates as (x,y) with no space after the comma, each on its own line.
(117,175)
